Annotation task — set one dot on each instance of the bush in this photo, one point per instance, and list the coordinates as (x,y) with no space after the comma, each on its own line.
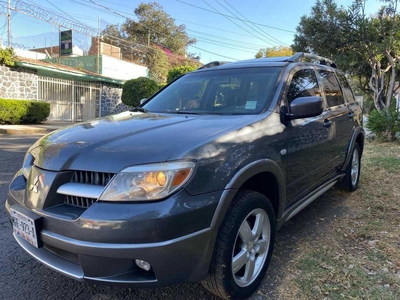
(384,124)
(136,89)
(23,111)
(179,71)
(7,57)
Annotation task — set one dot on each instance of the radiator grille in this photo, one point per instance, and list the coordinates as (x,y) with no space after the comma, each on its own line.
(97,178)
(79,201)
(87,177)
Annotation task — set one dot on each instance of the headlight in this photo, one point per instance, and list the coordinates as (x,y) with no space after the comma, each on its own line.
(148,182)
(27,164)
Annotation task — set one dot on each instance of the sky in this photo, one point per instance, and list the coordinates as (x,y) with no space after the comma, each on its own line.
(272,23)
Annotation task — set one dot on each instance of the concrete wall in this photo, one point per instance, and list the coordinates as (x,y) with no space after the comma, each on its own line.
(29,54)
(18,83)
(120,69)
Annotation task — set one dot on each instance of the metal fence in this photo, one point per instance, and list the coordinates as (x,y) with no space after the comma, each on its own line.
(70,100)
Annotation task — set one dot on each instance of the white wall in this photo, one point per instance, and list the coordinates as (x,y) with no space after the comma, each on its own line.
(29,54)
(120,69)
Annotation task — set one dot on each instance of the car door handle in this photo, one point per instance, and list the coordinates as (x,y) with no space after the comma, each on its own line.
(327,123)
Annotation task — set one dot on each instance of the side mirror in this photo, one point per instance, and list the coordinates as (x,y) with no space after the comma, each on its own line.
(143,101)
(305,107)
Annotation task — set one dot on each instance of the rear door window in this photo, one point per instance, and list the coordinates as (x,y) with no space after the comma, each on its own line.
(347,92)
(331,87)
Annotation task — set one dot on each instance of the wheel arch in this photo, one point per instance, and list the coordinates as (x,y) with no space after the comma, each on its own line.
(254,177)
(359,138)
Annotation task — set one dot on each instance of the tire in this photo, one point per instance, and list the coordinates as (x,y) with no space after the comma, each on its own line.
(353,170)
(250,218)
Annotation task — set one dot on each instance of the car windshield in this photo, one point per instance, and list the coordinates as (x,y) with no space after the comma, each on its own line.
(229,91)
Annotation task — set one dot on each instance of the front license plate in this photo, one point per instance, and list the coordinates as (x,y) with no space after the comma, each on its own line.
(24,227)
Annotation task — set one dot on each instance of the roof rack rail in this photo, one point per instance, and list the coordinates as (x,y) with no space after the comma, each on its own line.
(322,60)
(213,64)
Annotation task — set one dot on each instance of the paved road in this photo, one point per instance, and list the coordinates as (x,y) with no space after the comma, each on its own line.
(21,277)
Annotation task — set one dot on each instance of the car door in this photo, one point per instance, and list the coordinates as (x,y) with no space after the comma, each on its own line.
(340,114)
(310,141)
(354,111)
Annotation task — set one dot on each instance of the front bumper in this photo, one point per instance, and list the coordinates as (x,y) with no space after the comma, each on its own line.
(182,259)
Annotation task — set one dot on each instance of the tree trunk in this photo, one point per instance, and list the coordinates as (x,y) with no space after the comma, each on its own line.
(382,97)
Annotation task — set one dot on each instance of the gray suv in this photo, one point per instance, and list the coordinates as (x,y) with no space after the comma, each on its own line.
(193,184)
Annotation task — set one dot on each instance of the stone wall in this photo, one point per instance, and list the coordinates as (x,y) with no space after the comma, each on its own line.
(111,101)
(22,83)
(18,83)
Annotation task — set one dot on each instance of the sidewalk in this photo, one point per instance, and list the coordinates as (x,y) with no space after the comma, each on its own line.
(42,128)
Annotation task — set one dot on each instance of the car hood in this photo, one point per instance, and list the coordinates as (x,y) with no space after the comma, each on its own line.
(112,143)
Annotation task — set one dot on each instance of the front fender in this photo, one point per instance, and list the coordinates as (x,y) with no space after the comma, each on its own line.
(245,173)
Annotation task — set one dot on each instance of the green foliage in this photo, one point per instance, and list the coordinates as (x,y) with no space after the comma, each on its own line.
(365,46)
(274,52)
(179,71)
(23,111)
(161,85)
(153,26)
(158,65)
(385,124)
(135,90)
(7,57)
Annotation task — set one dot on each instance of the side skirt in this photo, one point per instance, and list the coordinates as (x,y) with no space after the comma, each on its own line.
(306,200)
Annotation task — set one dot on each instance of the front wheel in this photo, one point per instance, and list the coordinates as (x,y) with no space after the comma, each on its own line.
(243,248)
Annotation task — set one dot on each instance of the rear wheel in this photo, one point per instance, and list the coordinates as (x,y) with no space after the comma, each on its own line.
(243,248)
(350,181)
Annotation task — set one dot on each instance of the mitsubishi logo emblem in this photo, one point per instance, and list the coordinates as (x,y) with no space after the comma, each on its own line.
(34,186)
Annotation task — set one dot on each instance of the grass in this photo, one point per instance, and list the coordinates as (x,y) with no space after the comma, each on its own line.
(358,257)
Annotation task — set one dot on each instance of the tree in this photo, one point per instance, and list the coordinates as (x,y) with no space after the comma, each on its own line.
(158,64)
(179,71)
(156,27)
(365,47)
(153,40)
(135,90)
(274,51)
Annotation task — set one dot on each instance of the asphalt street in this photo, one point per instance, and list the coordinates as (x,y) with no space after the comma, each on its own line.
(22,277)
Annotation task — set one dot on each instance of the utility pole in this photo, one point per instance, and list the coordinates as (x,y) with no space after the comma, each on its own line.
(59,44)
(98,48)
(9,22)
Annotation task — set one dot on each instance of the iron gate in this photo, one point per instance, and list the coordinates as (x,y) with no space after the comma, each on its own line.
(70,100)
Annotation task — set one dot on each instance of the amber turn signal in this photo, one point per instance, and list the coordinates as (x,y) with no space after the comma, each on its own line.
(180,177)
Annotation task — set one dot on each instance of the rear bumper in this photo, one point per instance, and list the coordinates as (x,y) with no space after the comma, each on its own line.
(182,259)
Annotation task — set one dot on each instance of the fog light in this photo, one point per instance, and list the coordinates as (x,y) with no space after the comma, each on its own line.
(143,264)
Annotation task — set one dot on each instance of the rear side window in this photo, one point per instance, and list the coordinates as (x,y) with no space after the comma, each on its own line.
(303,84)
(332,89)
(347,92)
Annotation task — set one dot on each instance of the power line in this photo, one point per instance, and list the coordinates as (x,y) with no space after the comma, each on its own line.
(121,15)
(224,38)
(214,53)
(228,16)
(225,43)
(56,7)
(236,23)
(215,28)
(260,30)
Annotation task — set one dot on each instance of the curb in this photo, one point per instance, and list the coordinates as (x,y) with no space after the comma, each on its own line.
(25,131)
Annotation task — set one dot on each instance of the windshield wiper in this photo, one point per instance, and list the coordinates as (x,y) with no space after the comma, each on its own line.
(138,108)
(187,112)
